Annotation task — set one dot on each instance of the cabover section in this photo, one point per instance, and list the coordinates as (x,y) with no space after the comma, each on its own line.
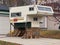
(20,13)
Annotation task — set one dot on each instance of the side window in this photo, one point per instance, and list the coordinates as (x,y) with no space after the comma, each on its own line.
(15,14)
(31,8)
(35,19)
(44,8)
(18,14)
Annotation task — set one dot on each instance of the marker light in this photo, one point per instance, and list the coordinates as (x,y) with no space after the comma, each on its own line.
(15,19)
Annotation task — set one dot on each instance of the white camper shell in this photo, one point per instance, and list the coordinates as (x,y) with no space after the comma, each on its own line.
(32,15)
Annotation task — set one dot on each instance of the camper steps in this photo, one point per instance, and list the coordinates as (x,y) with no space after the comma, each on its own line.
(22,33)
(32,33)
(16,33)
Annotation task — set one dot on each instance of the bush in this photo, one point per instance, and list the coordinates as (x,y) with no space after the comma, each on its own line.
(50,33)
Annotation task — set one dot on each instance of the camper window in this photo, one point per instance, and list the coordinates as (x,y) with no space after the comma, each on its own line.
(31,8)
(35,18)
(44,8)
(15,14)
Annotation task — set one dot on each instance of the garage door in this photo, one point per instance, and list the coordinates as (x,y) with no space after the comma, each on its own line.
(4,25)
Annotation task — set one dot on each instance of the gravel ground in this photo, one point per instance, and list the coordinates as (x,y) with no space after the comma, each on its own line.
(40,41)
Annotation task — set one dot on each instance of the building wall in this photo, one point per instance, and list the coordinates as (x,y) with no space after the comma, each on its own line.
(4,24)
(52,23)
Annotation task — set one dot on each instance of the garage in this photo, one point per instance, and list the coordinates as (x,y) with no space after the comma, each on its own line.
(4,25)
(4,20)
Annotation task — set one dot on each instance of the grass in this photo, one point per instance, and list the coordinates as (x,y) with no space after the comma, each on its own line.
(50,34)
(7,43)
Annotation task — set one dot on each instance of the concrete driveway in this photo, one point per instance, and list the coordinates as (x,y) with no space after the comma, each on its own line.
(41,41)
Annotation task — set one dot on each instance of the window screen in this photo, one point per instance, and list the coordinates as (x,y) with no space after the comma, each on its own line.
(31,8)
(44,8)
(35,19)
(15,14)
